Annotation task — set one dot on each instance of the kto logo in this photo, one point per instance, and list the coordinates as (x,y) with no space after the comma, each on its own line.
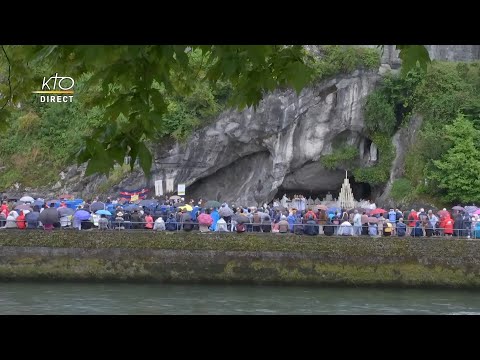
(56,85)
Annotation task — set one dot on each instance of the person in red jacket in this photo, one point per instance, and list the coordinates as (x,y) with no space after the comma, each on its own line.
(149,221)
(447,225)
(412,220)
(21,223)
(4,208)
(310,213)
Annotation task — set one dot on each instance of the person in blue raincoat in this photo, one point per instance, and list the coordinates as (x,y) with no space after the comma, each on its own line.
(476,232)
(291,221)
(215,216)
(194,212)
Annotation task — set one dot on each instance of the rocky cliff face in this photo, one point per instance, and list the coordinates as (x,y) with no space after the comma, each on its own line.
(402,141)
(245,157)
(436,52)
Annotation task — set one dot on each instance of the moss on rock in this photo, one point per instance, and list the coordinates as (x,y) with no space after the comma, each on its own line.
(238,258)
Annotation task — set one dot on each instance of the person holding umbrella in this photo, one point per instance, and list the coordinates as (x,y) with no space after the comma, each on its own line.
(226,213)
(65,216)
(205,221)
(103,222)
(240,220)
(32,218)
(81,219)
(215,217)
(49,217)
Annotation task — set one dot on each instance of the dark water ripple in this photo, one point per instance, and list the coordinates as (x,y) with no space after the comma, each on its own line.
(75,298)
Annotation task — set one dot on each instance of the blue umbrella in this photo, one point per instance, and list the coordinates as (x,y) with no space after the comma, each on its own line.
(103,212)
(56,202)
(131,207)
(147,202)
(471,209)
(97,205)
(38,202)
(72,204)
(334,209)
(82,215)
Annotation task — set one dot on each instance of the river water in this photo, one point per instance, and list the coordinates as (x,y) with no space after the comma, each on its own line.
(118,298)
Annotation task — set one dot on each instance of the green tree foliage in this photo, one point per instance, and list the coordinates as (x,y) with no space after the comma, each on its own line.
(401,190)
(438,95)
(413,56)
(379,173)
(379,114)
(458,170)
(341,157)
(446,90)
(344,59)
(137,86)
(41,140)
(391,105)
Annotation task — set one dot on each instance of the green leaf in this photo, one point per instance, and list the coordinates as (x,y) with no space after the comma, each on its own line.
(145,158)
(411,54)
(100,162)
(298,75)
(83,155)
(116,153)
(133,153)
(181,55)
(43,53)
(96,165)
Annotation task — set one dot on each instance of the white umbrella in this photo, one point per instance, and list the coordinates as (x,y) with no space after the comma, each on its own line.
(27,199)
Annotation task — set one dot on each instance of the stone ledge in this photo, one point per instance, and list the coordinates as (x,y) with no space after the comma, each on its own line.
(238,258)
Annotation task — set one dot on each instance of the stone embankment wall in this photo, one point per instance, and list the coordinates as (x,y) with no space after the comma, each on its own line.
(238,258)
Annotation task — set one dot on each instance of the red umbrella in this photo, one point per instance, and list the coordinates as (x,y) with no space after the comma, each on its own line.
(372,220)
(443,213)
(66,197)
(378,211)
(205,219)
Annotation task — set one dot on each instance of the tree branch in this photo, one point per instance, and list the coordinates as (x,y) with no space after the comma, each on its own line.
(9,82)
